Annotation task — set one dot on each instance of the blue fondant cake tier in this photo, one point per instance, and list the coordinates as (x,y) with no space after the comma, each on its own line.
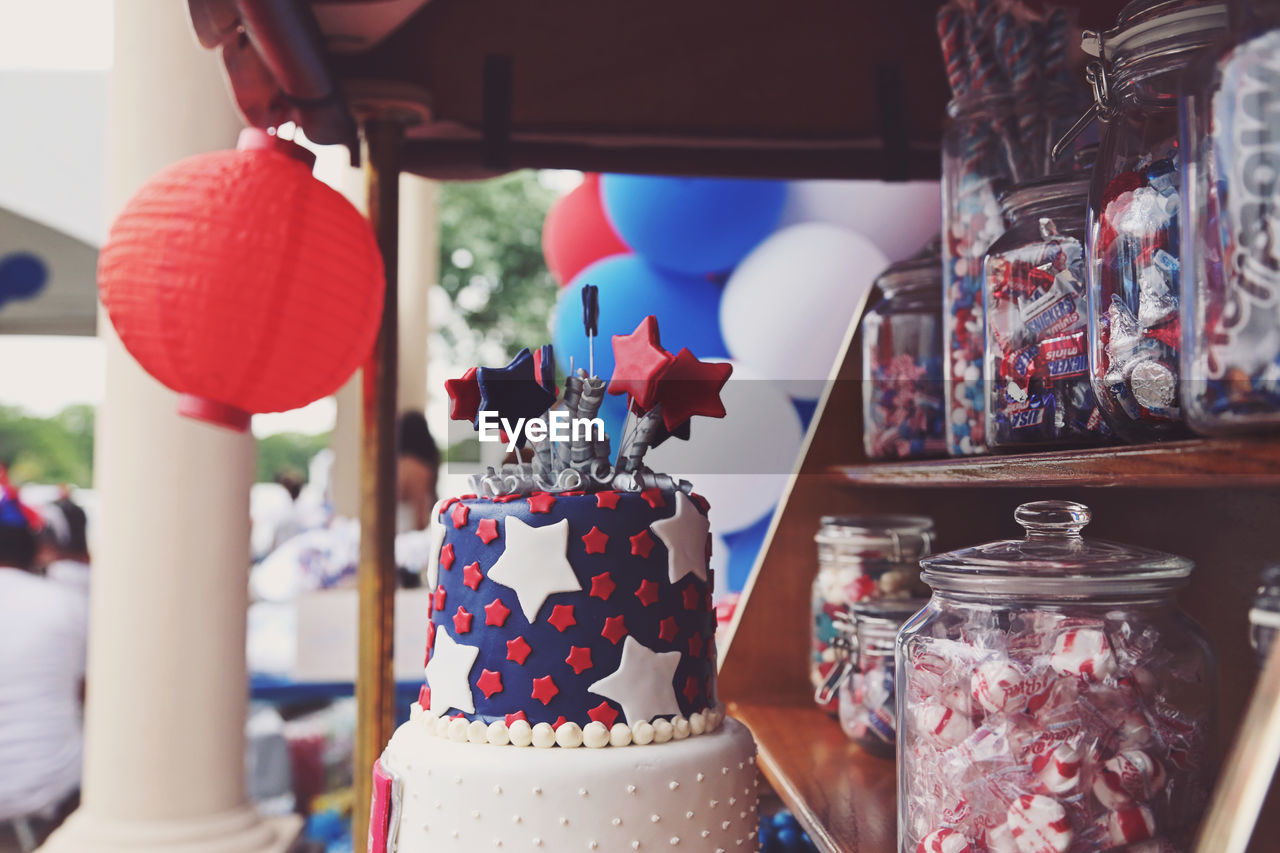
(572,607)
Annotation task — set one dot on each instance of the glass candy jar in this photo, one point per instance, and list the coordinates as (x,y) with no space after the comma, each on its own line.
(902,398)
(1135,207)
(860,558)
(1231,310)
(866,680)
(1036,365)
(976,168)
(1052,690)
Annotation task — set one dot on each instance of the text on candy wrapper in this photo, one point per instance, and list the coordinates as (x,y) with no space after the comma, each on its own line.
(557,426)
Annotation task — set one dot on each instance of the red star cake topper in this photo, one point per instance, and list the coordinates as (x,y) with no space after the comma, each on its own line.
(639,362)
(464,396)
(692,387)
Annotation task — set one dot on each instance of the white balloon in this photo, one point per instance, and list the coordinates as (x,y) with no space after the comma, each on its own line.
(898,218)
(787,306)
(720,560)
(741,462)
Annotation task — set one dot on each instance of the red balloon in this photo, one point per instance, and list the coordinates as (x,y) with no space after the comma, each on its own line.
(242,282)
(577,233)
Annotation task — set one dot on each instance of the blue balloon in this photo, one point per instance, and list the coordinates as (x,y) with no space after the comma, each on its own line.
(692,225)
(686,307)
(22,276)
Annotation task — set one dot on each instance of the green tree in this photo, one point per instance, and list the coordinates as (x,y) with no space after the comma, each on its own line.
(287,451)
(492,268)
(48,450)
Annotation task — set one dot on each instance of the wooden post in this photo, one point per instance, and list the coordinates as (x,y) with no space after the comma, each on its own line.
(376,576)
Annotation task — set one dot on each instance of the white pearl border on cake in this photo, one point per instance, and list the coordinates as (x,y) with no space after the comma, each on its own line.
(594,735)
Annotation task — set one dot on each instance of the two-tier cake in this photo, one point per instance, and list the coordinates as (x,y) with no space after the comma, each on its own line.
(570,696)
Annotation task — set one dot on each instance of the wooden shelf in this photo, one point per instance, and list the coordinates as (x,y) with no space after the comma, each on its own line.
(1200,463)
(845,798)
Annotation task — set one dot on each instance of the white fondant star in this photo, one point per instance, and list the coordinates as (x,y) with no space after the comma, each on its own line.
(685,535)
(535,563)
(643,682)
(449,674)
(437,542)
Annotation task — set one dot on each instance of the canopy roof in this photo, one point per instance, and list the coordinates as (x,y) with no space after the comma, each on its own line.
(807,88)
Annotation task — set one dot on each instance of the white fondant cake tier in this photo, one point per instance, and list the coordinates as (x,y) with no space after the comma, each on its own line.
(696,795)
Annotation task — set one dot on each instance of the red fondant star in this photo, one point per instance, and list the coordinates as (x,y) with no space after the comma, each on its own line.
(496,613)
(641,544)
(579,658)
(459,515)
(692,598)
(464,396)
(506,499)
(541,502)
(560,721)
(431,636)
(518,650)
(603,713)
(544,689)
(489,682)
(695,645)
(448,502)
(690,387)
(446,557)
(690,688)
(654,498)
(424,697)
(639,363)
(471,575)
(615,628)
(518,715)
(667,629)
(602,586)
(647,592)
(607,500)
(595,539)
(462,620)
(439,596)
(562,617)
(487,530)
(703,503)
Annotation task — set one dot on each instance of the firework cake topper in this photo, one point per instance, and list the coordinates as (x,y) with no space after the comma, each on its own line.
(664,393)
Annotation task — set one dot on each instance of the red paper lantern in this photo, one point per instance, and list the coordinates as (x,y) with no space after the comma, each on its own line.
(577,233)
(244,283)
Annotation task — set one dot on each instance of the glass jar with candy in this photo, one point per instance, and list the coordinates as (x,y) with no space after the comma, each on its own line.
(1264,616)
(1135,206)
(902,402)
(1008,70)
(1052,696)
(867,701)
(1037,356)
(1231,306)
(860,558)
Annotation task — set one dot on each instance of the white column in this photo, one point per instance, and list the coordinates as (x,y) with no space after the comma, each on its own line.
(164,723)
(419,270)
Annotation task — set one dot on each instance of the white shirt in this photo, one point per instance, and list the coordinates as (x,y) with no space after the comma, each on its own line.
(42,661)
(71,572)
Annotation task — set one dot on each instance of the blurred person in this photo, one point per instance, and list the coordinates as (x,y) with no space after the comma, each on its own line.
(66,553)
(288,523)
(42,668)
(417,469)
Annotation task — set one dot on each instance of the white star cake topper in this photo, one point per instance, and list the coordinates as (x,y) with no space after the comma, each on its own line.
(685,535)
(535,563)
(449,674)
(643,682)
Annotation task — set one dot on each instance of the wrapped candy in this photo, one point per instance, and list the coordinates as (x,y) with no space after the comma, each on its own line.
(1052,699)
(1037,357)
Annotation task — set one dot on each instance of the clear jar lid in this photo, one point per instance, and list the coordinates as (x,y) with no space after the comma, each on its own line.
(1053,191)
(1055,561)
(899,538)
(919,275)
(894,610)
